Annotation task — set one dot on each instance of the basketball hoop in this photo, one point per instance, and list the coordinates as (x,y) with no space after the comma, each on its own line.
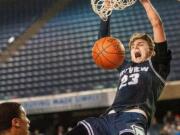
(99,7)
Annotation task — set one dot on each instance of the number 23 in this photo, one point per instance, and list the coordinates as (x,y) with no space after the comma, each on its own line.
(134,78)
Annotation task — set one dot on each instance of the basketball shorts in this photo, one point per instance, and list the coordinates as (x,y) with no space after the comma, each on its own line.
(120,123)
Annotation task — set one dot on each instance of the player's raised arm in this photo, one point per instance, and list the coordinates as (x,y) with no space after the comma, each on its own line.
(105,25)
(104,28)
(155,20)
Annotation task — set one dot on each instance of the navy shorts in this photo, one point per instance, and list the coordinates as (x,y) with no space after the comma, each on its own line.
(119,123)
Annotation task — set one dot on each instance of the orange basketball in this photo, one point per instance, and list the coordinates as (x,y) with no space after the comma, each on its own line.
(108,53)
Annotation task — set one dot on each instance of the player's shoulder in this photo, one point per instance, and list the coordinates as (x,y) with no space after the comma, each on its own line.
(162,55)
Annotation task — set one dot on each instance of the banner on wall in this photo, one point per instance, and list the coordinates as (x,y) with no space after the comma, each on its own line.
(67,102)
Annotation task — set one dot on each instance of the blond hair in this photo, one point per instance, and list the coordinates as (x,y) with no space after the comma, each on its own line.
(143,36)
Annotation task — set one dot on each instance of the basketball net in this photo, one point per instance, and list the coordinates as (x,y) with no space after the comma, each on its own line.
(104,11)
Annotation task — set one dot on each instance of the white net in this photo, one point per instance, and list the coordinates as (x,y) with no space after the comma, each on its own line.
(105,9)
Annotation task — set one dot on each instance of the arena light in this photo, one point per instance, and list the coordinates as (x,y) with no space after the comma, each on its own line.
(11,39)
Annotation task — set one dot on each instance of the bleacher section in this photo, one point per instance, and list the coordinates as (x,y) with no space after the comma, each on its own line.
(17,16)
(58,58)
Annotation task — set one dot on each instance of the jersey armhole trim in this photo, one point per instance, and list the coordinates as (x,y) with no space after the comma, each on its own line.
(156,73)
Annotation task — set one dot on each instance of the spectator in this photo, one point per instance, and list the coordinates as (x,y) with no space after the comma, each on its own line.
(37,132)
(177,122)
(155,127)
(169,117)
(60,130)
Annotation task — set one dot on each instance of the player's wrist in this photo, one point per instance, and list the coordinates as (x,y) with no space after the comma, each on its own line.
(145,2)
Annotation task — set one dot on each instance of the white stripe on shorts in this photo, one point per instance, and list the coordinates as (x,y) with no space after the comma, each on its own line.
(87,126)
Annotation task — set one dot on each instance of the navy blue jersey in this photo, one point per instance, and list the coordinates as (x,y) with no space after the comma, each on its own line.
(140,84)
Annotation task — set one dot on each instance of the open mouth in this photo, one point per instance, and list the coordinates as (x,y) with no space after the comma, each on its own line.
(137,54)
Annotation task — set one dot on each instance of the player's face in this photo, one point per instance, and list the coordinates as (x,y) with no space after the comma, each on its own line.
(24,123)
(140,51)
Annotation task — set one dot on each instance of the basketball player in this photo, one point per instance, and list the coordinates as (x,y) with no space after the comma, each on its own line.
(140,83)
(13,119)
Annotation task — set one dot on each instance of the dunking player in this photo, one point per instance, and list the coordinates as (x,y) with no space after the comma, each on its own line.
(141,82)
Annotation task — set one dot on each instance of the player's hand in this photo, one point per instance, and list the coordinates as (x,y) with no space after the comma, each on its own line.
(107,4)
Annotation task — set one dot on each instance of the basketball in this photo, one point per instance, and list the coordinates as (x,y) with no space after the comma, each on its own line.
(108,53)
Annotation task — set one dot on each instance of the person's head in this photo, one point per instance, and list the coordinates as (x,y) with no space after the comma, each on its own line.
(141,47)
(13,119)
